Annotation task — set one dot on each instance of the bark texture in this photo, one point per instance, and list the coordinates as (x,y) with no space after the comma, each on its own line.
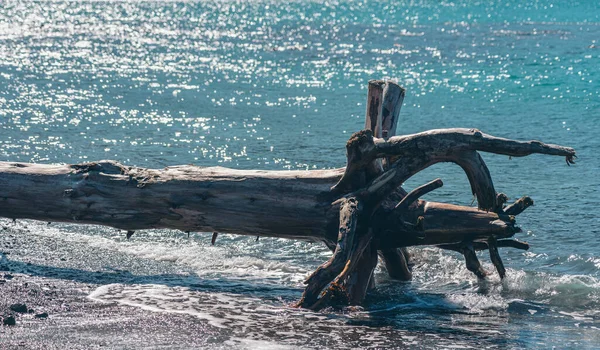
(361,211)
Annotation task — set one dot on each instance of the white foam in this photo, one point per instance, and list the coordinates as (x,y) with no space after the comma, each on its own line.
(203,258)
(251,344)
(160,298)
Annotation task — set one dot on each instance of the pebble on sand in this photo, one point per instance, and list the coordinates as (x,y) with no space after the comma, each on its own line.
(9,321)
(20,308)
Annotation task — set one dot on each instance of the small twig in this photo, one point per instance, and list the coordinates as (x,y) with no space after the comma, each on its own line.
(513,243)
(518,206)
(478,245)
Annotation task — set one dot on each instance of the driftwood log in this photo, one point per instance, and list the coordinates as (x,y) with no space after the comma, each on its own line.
(360,212)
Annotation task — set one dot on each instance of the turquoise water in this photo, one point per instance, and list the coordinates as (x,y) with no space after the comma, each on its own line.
(282,85)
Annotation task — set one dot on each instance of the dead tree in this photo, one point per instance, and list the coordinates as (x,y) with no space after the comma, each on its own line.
(360,212)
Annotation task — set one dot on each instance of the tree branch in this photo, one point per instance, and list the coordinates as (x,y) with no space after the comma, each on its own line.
(519,206)
(479,177)
(420,150)
(478,245)
(443,140)
(415,194)
(471,260)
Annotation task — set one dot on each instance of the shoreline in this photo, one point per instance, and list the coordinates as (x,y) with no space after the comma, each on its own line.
(48,276)
(81,323)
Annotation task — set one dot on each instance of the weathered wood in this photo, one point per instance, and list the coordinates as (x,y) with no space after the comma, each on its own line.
(465,139)
(388,110)
(495,256)
(350,209)
(519,206)
(384,100)
(360,280)
(479,178)
(472,261)
(287,204)
(396,264)
(433,146)
(374,104)
(477,245)
(187,198)
(339,289)
(393,97)
(356,217)
(413,195)
(191,198)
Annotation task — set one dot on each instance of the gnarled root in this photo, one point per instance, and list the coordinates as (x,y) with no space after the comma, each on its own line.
(396,262)
(354,237)
(355,256)
(366,227)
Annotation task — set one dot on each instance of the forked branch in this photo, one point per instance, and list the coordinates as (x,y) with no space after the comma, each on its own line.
(437,146)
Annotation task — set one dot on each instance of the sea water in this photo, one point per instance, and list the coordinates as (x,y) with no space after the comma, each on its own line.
(282,85)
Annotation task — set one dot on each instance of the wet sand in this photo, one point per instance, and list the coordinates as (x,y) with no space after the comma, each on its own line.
(73,320)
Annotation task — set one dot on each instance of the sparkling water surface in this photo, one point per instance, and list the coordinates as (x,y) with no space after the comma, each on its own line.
(282,85)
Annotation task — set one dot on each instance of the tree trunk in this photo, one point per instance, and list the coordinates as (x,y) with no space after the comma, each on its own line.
(357,211)
(187,198)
